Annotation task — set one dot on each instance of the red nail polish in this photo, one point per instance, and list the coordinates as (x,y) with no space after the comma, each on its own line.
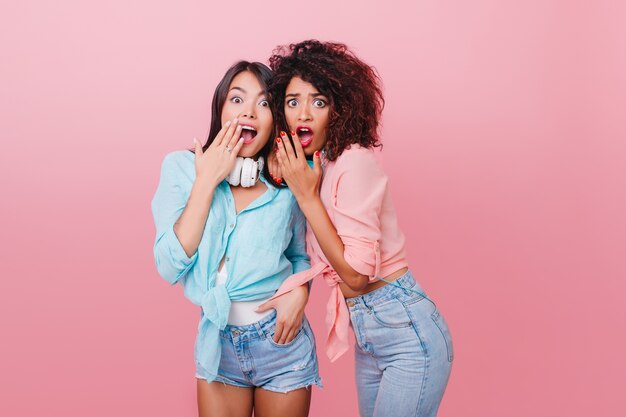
(317,153)
(282,133)
(293,133)
(277,140)
(279,180)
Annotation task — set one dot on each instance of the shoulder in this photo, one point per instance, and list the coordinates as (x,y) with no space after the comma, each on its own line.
(181,158)
(358,160)
(178,162)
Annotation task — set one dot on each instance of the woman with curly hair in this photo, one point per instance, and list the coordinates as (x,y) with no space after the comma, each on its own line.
(330,102)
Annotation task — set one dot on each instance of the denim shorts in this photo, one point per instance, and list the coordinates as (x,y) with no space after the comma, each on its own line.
(251,358)
(403,352)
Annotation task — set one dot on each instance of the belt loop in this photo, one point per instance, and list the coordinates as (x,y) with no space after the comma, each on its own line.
(259,330)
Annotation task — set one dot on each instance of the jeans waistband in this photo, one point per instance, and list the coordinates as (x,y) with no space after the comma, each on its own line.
(258,330)
(386,292)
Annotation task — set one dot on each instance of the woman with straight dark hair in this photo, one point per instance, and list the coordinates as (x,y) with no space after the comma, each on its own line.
(231,238)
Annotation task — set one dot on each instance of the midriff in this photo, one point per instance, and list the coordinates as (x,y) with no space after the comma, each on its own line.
(374,285)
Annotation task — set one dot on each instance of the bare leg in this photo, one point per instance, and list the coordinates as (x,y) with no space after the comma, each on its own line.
(275,404)
(216,399)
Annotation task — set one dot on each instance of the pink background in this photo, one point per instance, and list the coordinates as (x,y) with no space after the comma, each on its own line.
(505,145)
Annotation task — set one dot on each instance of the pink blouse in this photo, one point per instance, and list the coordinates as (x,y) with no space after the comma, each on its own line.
(355,193)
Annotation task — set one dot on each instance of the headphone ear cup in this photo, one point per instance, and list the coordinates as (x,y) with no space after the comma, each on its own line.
(234,178)
(247,174)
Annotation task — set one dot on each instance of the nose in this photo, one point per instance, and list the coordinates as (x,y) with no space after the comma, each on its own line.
(249,111)
(304,114)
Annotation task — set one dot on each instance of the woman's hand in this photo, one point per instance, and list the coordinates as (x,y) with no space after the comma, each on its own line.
(303,181)
(274,167)
(214,164)
(289,313)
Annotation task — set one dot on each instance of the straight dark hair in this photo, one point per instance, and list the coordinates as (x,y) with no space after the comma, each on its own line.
(263,75)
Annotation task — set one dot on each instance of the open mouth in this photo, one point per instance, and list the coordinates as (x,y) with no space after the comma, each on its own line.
(248,133)
(305,134)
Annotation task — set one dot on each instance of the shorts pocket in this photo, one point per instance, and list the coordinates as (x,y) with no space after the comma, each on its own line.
(441,324)
(390,314)
(299,336)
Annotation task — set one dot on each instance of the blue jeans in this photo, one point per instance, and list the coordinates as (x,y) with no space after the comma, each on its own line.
(251,358)
(403,351)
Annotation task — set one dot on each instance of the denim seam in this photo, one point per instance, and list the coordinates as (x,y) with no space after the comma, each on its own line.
(240,359)
(363,334)
(424,383)
(434,316)
(378,320)
(415,326)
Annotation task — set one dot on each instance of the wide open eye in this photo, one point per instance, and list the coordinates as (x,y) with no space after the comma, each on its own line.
(319,103)
(292,102)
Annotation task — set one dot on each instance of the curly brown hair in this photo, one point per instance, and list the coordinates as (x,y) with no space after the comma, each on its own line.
(352,87)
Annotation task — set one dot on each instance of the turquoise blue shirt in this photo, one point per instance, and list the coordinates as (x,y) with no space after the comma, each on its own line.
(262,246)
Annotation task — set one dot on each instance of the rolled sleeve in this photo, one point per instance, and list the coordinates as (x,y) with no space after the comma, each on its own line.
(171,260)
(167,205)
(358,196)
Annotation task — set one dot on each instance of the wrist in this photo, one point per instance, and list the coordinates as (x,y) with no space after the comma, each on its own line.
(203,188)
(205,183)
(310,204)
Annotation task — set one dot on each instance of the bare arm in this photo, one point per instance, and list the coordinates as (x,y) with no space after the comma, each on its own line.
(212,166)
(304,183)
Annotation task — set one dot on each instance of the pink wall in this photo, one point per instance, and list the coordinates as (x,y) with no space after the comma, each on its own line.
(505,144)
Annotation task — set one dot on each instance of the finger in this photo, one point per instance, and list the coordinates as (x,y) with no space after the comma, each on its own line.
(288,148)
(274,167)
(317,163)
(282,153)
(220,135)
(265,306)
(234,140)
(237,148)
(288,336)
(272,163)
(229,133)
(198,147)
(299,151)
(281,157)
(278,331)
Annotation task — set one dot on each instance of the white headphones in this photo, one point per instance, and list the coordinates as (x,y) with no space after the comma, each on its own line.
(246,172)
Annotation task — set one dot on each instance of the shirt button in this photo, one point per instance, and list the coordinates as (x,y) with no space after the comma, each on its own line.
(350,303)
(232,225)
(227,259)
(235,333)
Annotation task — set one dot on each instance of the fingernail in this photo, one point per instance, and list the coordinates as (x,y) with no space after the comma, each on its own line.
(235,120)
(279,180)
(317,153)
(277,140)
(227,123)
(195,141)
(239,127)
(282,133)
(293,133)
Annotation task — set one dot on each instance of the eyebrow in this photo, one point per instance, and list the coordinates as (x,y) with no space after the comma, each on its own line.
(262,93)
(298,95)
